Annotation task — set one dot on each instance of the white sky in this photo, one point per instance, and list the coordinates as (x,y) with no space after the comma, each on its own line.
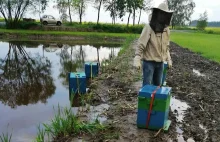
(212,6)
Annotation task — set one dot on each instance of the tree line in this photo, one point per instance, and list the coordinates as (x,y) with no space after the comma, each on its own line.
(117,8)
(210,24)
(13,10)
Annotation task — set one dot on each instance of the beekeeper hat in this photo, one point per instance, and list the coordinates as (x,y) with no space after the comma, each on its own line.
(164,7)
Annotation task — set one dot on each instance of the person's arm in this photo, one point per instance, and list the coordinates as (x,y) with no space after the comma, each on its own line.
(143,40)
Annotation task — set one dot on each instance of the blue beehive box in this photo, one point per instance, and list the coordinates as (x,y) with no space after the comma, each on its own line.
(91,69)
(160,111)
(165,66)
(157,120)
(77,83)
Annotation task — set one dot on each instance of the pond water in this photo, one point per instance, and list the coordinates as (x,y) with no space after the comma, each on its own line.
(33,80)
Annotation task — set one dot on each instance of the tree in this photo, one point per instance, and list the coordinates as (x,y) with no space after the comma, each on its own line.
(135,5)
(63,6)
(202,22)
(98,4)
(13,10)
(40,6)
(80,8)
(132,7)
(111,7)
(145,6)
(129,9)
(183,9)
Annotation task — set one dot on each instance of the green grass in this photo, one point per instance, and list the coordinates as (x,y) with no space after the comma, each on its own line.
(65,123)
(213,30)
(209,30)
(60,33)
(127,43)
(205,44)
(5,137)
(2,20)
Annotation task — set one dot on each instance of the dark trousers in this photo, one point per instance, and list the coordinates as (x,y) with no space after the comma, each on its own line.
(152,73)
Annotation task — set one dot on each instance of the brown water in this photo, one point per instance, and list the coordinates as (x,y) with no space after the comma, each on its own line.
(33,79)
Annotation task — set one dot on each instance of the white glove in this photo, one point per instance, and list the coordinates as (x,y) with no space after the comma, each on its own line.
(170,64)
(137,62)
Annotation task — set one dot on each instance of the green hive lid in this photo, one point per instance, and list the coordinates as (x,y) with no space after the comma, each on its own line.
(161,93)
(78,74)
(91,63)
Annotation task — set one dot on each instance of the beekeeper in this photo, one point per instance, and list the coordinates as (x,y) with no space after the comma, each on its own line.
(153,46)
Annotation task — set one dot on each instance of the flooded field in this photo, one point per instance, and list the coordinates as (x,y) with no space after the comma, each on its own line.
(33,79)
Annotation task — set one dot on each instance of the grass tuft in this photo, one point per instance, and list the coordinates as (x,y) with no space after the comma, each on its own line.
(65,123)
(5,137)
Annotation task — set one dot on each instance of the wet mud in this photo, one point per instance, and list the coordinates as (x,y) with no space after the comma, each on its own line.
(194,109)
(196,80)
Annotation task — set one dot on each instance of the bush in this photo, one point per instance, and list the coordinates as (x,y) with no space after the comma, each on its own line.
(201,25)
(27,25)
(210,31)
(117,28)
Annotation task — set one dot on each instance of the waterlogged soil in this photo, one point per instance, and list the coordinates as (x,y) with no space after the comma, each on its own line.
(196,80)
(194,110)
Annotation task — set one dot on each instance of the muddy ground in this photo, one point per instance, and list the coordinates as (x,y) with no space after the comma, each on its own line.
(200,91)
(118,87)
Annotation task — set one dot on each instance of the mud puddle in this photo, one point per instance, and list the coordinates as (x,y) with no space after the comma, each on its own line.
(92,113)
(98,113)
(198,73)
(179,108)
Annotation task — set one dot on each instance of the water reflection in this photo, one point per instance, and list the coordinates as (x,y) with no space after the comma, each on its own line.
(29,72)
(71,61)
(24,79)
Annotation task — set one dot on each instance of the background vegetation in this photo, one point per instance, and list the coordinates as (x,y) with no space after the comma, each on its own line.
(206,45)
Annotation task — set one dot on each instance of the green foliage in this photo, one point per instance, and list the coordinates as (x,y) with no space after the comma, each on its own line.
(5,137)
(126,44)
(202,22)
(207,45)
(2,20)
(110,28)
(183,9)
(86,35)
(201,25)
(40,135)
(27,25)
(14,10)
(80,8)
(66,123)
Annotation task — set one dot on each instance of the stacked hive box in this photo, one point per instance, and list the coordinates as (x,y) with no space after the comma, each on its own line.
(77,83)
(91,69)
(160,107)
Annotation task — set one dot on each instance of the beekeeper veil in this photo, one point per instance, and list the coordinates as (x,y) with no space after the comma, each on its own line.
(161,17)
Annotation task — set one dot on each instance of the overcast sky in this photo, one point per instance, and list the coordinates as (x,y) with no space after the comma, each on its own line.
(212,7)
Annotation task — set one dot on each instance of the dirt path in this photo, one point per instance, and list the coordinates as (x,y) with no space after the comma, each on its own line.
(118,86)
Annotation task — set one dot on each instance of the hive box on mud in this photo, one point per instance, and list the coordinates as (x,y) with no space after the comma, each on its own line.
(77,83)
(165,66)
(91,69)
(158,118)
